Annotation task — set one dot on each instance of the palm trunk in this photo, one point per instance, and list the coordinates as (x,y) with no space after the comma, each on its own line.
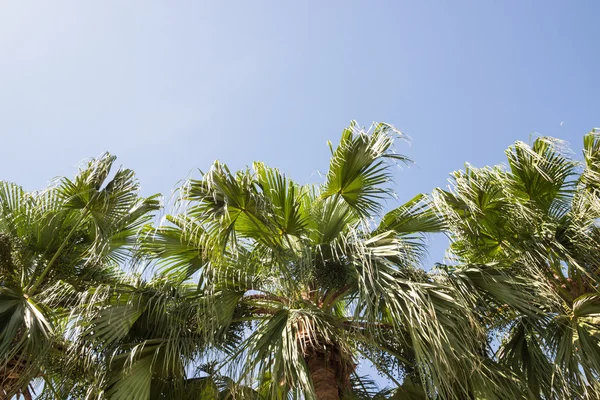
(328,365)
(324,376)
(329,370)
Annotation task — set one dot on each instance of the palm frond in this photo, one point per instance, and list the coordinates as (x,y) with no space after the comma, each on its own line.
(360,167)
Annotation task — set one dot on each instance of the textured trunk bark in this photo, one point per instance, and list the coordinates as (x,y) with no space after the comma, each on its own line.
(324,377)
(10,380)
(328,366)
(329,370)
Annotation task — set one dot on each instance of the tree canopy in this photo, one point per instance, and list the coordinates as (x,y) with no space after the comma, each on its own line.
(254,286)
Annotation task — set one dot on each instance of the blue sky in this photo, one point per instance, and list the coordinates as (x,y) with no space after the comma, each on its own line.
(171,86)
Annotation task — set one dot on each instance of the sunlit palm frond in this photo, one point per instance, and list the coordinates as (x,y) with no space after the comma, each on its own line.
(59,241)
(360,168)
(537,224)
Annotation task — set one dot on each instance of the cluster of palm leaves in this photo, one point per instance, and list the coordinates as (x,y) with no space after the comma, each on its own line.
(57,247)
(258,287)
(533,227)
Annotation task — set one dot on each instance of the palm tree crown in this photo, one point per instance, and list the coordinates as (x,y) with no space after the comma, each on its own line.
(317,281)
(537,224)
(258,287)
(54,245)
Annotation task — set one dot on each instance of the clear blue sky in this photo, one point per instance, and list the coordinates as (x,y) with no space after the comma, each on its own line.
(171,86)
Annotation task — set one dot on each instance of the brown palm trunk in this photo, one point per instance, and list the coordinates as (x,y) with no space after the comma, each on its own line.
(324,377)
(329,370)
(328,366)
(11,383)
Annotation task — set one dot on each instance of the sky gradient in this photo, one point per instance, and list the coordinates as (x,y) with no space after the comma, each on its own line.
(169,87)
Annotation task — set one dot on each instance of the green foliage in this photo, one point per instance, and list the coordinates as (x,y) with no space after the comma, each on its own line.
(534,227)
(314,277)
(257,287)
(55,244)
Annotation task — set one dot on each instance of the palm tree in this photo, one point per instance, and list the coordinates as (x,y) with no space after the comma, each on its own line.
(533,230)
(141,339)
(322,277)
(54,244)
